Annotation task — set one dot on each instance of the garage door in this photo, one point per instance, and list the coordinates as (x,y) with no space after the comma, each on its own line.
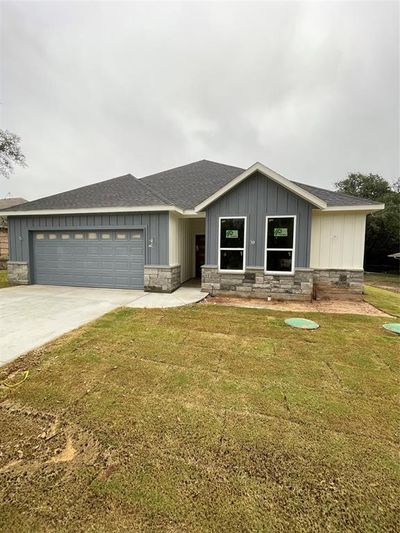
(112,259)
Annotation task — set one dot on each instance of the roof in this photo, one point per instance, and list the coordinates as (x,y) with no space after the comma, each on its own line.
(182,188)
(123,191)
(5,203)
(334,198)
(190,184)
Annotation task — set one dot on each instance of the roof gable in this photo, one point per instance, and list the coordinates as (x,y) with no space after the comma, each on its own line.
(269,173)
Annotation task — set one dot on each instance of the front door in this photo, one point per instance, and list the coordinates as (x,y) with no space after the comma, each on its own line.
(200,253)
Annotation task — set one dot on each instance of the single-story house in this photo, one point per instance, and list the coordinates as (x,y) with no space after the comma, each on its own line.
(5,203)
(246,232)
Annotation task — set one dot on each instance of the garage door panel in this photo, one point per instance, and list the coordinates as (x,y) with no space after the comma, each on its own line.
(89,261)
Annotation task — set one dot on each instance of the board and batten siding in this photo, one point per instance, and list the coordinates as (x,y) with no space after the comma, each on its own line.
(182,233)
(155,226)
(257,197)
(337,240)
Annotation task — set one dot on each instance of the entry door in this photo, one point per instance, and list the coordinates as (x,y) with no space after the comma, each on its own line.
(200,254)
(89,258)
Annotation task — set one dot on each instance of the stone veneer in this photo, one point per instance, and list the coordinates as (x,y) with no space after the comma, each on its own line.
(18,272)
(255,283)
(162,278)
(332,283)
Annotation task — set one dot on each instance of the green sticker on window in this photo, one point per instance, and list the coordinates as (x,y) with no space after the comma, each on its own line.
(280,232)
(232,233)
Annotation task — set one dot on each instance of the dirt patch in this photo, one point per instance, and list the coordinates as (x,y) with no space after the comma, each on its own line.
(33,441)
(325,306)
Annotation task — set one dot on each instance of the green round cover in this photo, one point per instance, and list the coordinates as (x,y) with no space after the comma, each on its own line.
(302,323)
(392,326)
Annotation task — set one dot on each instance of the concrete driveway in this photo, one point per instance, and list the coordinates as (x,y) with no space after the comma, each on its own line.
(33,315)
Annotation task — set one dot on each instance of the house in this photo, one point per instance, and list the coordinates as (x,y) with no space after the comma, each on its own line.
(5,203)
(244,232)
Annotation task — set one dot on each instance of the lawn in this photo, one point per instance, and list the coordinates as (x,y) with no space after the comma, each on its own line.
(386,300)
(380,279)
(204,419)
(3,279)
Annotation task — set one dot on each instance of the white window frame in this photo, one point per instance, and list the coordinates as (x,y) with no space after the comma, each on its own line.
(222,270)
(293,250)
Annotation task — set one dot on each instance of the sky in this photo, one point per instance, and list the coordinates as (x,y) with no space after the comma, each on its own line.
(100,89)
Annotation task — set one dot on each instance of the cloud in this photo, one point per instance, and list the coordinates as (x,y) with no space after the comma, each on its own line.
(96,90)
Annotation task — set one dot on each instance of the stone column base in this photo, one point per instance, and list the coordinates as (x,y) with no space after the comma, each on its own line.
(254,283)
(18,272)
(162,278)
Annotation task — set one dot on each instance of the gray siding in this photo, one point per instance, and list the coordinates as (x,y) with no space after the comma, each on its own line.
(155,227)
(256,198)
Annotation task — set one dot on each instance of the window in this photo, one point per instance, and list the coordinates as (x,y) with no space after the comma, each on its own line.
(65,236)
(91,235)
(136,235)
(39,236)
(52,236)
(279,244)
(78,236)
(105,236)
(232,243)
(121,236)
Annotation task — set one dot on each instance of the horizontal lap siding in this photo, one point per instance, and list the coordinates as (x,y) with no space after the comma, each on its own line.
(256,198)
(155,224)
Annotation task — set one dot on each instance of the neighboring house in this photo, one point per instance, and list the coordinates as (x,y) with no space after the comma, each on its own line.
(248,232)
(5,203)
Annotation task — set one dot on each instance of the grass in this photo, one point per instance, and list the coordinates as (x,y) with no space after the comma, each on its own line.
(382,280)
(202,419)
(383,299)
(3,279)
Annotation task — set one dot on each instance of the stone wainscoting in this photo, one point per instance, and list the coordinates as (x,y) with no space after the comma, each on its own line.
(162,278)
(338,284)
(18,272)
(254,283)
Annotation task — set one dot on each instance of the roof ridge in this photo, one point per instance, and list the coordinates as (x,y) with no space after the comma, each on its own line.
(155,192)
(187,165)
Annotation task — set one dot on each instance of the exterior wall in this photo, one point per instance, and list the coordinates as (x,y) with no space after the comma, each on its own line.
(338,284)
(155,226)
(337,240)
(256,198)
(182,242)
(254,283)
(161,278)
(3,243)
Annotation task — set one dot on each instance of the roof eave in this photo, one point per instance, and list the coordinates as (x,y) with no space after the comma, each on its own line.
(368,208)
(91,210)
(269,173)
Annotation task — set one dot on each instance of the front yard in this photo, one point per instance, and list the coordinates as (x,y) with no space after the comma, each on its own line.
(203,418)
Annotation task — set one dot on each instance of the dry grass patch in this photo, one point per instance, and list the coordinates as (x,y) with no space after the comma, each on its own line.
(204,418)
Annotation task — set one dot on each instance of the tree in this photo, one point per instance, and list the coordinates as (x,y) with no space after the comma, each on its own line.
(383,227)
(10,153)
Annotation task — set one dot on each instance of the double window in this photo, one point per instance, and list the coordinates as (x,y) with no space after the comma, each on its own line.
(279,244)
(232,244)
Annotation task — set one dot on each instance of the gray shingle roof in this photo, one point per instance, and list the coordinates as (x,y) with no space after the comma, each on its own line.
(124,191)
(334,198)
(189,185)
(183,187)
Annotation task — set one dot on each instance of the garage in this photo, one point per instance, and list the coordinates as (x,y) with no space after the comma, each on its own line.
(89,258)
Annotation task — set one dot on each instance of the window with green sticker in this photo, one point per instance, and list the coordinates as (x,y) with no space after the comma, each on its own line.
(280,244)
(232,243)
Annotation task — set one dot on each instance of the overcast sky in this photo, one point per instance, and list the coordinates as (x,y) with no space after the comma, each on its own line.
(96,90)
